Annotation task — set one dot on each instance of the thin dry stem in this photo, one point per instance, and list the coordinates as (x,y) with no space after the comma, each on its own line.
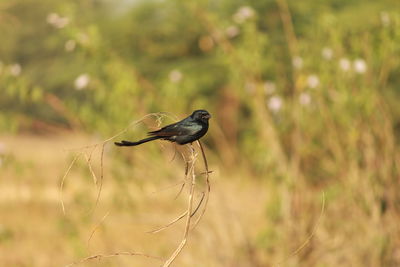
(207,172)
(207,194)
(169,224)
(63,180)
(188,213)
(168,187)
(88,159)
(305,243)
(178,218)
(95,229)
(180,190)
(186,174)
(100,256)
(101,177)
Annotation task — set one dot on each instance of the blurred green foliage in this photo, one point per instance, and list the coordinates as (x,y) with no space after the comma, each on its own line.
(277,72)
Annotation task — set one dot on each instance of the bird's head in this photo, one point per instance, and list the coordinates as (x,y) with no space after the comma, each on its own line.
(201,115)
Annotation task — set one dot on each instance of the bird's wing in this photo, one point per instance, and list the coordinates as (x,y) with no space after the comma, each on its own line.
(179,129)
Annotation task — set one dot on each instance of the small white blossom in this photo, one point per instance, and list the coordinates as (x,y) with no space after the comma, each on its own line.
(344,64)
(269,87)
(312,81)
(175,76)
(70,45)
(304,99)
(360,66)
(327,53)
(297,62)
(15,69)
(232,31)
(243,14)
(385,19)
(275,103)
(82,81)
(62,22)
(57,21)
(52,18)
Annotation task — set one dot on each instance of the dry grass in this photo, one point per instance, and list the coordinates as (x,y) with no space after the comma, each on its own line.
(249,222)
(29,190)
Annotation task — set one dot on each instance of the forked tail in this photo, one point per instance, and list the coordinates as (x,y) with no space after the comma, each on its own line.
(129,143)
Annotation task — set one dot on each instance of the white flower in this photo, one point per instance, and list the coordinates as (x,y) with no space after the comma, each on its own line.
(62,22)
(297,62)
(275,103)
(232,31)
(246,11)
(175,76)
(82,81)
(304,99)
(344,64)
(269,87)
(52,18)
(15,69)
(70,45)
(312,81)
(56,20)
(243,14)
(360,66)
(385,19)
(327,53)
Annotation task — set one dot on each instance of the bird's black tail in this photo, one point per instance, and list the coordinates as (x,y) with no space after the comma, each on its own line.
(129,143)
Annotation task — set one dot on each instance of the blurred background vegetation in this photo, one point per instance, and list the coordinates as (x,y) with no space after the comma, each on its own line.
(304,97)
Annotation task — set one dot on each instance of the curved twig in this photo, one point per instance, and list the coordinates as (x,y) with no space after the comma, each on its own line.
(63,180)
(95,229)
(178,218)
(94,146)
(100,256)
(305,243)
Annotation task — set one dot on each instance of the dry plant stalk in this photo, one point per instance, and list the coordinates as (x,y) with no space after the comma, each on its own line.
(177,219)
(204,195)
(189,213)
(307,241)
(95,229)
(207,194)
(81,151)
(100,256)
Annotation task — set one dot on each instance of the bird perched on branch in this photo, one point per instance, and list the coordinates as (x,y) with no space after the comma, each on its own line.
(182,132)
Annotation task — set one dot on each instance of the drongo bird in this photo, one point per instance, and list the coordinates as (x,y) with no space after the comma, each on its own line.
(182,132)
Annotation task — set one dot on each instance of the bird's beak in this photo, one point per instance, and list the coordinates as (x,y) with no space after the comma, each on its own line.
(207,116)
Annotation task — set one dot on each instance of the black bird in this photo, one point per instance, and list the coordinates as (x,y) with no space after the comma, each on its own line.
(182,132)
